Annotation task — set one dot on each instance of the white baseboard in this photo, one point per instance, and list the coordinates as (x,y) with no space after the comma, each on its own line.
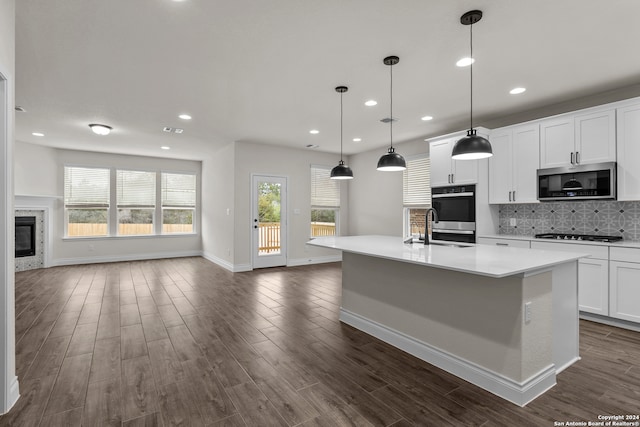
(619,323)
(119,258)
(234,268)
(12,397)
(519,393)
(313,260)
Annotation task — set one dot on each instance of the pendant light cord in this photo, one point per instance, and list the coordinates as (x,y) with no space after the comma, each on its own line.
(341,126)
(391,97)
(471,78)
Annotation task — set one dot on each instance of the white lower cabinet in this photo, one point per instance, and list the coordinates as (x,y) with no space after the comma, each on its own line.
(624,302)
(593,289)
(593,274)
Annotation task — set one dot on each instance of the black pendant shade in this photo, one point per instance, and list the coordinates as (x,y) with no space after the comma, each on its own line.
(472,146)
(341,171)
(391,161)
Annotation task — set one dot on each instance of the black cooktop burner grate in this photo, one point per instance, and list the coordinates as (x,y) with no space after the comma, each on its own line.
(586,237)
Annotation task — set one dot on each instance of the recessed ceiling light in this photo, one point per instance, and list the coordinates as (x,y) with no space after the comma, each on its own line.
(371,103)
(185,117)
(427,118)
(99,129)
(357,139)
(164,147)
(37,134)
(517,90)
(465,62)
(314,131)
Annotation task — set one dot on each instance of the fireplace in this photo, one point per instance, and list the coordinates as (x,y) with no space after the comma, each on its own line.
(25,236)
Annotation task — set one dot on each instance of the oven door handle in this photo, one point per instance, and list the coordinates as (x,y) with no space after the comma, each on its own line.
(438,196)
(445,231)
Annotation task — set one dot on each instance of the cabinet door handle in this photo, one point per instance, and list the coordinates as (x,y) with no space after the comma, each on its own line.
(572,157)
(453,179)
(514,195)
(577,157)
(509,195)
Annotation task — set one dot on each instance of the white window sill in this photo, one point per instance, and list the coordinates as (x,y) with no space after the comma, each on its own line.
(139,236)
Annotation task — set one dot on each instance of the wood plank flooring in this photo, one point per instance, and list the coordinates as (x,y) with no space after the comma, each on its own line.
(183,342)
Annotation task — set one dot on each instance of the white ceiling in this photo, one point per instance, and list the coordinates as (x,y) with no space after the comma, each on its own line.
(265,70)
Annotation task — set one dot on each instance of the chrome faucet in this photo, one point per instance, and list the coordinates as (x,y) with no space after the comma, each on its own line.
(426,223)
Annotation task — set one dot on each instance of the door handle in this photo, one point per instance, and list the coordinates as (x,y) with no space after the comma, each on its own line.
(255,226)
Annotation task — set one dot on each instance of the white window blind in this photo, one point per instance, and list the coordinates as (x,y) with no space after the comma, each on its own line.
(416,187)
(86,187)
(136,189)
(325,192)
(178,190)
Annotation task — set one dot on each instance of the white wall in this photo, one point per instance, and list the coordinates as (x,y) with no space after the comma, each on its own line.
(218,196)
(49,182)
(295,165)
(8,381)
(375,198)
(36,170)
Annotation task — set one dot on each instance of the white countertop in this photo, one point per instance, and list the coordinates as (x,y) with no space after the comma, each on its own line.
(621,244)
(484,260)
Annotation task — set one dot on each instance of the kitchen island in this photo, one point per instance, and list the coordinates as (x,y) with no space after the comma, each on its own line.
(505,319)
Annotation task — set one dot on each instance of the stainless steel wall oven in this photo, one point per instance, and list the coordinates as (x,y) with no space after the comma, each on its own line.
(456,207)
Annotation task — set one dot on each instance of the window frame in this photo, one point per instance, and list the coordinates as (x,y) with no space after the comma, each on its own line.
(66,207)
(406,207)
(153,208)
(313,207)
(112,209)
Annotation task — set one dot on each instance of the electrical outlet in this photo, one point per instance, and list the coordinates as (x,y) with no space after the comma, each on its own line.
(527,312)
(512,222)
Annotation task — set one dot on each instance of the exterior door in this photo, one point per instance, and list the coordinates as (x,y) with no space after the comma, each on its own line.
(269,221)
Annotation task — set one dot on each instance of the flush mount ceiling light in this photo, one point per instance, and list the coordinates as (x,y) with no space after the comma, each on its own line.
(341,171)
(20,109)
(99,129)
(391,161)
(472,146)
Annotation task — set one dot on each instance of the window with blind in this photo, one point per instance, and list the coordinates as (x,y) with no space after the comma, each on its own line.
(178,202)
(86,201)
(416,194)
(136,202)
(325,202)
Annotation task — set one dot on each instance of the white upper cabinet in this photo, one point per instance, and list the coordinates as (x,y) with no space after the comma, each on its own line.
(629,152)
(578,139)
(513,166)
(557,142)
(446,171)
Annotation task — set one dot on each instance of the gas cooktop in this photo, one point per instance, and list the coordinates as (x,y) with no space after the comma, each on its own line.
(587,237)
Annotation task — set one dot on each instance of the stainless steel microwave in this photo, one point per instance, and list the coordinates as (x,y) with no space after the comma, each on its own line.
(579,182)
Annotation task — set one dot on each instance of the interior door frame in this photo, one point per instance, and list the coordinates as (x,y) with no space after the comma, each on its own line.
(276,260)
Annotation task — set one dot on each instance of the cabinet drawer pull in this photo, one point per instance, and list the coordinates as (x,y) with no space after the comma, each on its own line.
(502,244)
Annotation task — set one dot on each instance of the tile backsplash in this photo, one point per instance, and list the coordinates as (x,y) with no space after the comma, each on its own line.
(611,218)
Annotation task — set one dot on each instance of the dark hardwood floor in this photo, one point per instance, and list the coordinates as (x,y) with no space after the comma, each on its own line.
(184,342)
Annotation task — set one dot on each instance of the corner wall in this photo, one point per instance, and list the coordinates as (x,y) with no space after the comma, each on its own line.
(8,381)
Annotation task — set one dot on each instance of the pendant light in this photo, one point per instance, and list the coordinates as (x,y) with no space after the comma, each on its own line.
(341,171)
(391,161)
(472,146)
